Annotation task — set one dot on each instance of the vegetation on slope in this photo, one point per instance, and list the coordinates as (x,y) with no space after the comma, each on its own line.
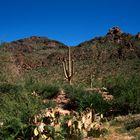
(34,65)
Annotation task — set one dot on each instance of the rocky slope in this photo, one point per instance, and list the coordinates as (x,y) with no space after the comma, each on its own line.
(111,54)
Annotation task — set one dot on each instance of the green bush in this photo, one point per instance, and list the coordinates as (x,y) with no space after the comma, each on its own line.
(134,123)
(47,91)
(126,93)
(16,110)
(81,99)
(10,88)
(14,129)
(21,105)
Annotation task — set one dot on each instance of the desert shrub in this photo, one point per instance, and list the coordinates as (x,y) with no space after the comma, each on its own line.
(96,133)
(10,88)
(12,128)
(29,83)
(16,111)
(115,85)
(48,91)
(134,123)
(15,128)
(121,130)
(95,101)
(126,93)
(43,89)
(21,105)
(81,99)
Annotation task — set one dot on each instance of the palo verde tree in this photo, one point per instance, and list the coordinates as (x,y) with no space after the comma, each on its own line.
(68,67)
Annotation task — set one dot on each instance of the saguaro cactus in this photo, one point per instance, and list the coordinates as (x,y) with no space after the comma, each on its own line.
(91,80)
(68,68)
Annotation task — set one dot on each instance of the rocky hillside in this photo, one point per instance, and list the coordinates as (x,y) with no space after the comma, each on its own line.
(124,43)
(111,54)
(34,51)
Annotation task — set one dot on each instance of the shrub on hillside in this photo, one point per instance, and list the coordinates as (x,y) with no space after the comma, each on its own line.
(46,91)
(126,94)
(10,88)
(81,99)
(16,111)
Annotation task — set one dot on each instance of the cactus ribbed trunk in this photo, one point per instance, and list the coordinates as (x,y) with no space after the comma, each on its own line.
(68,68)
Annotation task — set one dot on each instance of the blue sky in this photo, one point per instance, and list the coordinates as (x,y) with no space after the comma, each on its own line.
(68,21)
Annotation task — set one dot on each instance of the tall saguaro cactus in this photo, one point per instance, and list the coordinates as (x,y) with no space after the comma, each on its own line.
(68,67)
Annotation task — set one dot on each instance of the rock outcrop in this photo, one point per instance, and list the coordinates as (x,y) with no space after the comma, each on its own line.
(115,31)
(138,35)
